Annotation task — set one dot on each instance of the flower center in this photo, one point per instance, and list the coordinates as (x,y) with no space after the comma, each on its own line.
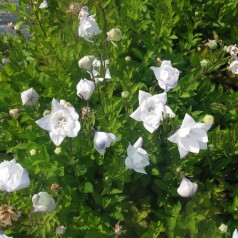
(62,121)
(151,109)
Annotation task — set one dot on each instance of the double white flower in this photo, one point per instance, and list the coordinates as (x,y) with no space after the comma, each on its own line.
(13,176)
(137,158)
(166,75)
(29,97)
(62,122)
(151,110)
(88,26)
(191,137)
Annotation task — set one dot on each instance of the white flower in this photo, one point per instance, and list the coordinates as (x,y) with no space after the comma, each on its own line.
(62,122)
(13,176)
(191,136)
(234,67)
(232,49)
(103,140)
(44,4)
(187,188)
(223,228)
(4,236)
(88,26)
(97,68)
(166,75)
(5,60)
(29,97)
(151,110)
(86,62)
(85,89)
(137,158)
(235,234)
(43,202)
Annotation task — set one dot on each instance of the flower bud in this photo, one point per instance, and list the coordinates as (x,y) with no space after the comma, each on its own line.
(58,150)
(10,25)
(187,188)
(32,152)
(223,228)
(43,202)
(85,89)
(204,63)
(212,44)
(125,94)
(60,230)
(114,34)
(16,27)
(208,119)
(86,62)
(46,113)
(127,58)
(102,140)
(29,97)
(234,67)
(211,147)
(55,187)
(14,112)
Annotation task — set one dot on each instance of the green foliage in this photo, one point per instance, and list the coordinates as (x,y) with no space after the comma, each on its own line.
(96,192)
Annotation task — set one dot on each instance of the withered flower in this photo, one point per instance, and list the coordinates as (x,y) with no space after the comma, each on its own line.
(74,7)
(8,215)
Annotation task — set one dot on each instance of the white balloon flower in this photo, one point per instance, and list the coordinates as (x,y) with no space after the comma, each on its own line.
(187,188)
(61,122)
(103,140)
(166,75)
(234,67)
(151,110)
(88,26)
(44,4)
(3,235)
(191,137)
(137,158)
(29,97)
(43,202)
(13,176)
(85,89)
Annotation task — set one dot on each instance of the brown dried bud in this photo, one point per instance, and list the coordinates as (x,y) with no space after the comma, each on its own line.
(118,229)
(8,215)
(74,7)
(86,112)
(14,112)
(55,187)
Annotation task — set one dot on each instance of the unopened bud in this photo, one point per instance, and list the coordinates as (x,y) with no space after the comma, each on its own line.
(55,187)
(127,58)
(204,63)
(60,230)
(223,228)
(14,112)
(46,113)
(125,94)
(32,152)
(114,34)
(208,119)
(58,150)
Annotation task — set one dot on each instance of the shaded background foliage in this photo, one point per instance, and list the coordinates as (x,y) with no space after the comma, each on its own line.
(98,192)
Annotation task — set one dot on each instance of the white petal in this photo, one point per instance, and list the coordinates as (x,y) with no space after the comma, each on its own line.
(160,98)
(190,144)
(143,96)
(136,115)
(199,134)
(182,151)
(204,126)
(140,170)
(57,139)
(44,123)
(128,163)
(235,234)
(149,127)
(188,121)
(174,138)
(138,143)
